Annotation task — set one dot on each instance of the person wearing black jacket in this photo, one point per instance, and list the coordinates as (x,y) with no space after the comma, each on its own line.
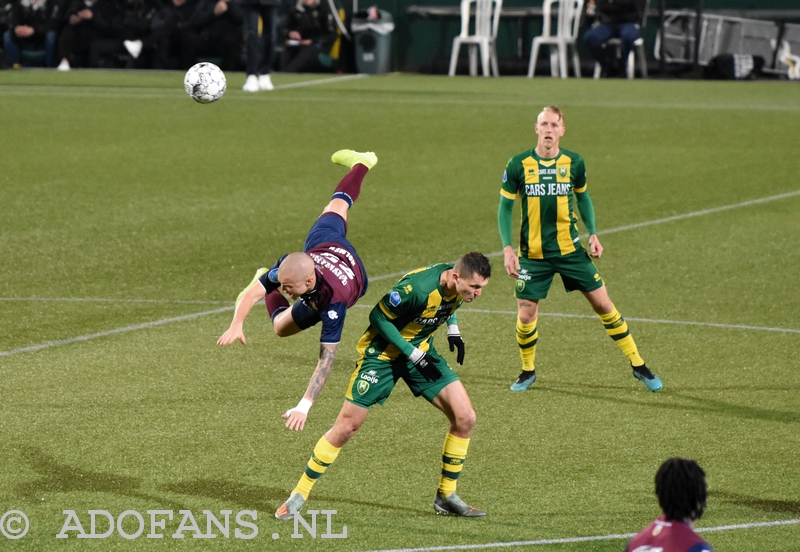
(215,29)
(311,32)
(614,19)
(86,21)
(132,25)
(166,29)
(32,24)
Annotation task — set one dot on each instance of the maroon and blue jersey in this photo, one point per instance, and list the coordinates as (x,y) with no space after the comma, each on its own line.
(340,284)
(341,278)
(667,536)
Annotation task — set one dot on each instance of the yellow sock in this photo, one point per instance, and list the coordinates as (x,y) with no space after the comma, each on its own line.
(617,329)
(323,456)
(527,336)
(453,454)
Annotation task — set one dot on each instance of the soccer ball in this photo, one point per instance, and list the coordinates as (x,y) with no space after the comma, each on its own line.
(205,82)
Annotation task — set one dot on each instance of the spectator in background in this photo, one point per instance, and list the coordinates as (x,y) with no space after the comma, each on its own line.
(311,32)
(133,25)
(86,21)
(32,24)
(216,30)
(681,492)
(166,30)
(614,19)
(260,46)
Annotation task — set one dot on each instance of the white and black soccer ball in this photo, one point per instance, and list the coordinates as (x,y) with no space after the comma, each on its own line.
(205,82)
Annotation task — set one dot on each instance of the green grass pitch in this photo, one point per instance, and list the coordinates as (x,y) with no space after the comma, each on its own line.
(131,217)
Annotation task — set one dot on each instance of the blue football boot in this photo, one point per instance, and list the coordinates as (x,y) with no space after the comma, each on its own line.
(643,374)
(525,380)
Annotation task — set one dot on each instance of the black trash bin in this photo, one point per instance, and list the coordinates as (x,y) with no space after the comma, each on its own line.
(373,39)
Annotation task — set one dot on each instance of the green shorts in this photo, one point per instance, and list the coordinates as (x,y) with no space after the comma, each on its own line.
(536,275)
(373,380)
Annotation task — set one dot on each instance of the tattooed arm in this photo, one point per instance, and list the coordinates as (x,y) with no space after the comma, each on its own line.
(296,417)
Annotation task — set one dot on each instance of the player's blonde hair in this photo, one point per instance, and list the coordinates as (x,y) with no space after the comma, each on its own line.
(553,109)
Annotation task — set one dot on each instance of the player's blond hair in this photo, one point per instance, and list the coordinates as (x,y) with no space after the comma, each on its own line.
(553,109)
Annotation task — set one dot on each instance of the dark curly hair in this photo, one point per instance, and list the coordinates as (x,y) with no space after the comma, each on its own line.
(681,489)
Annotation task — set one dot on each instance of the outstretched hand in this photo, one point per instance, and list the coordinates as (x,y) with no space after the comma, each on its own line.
(295,419)
(231,335)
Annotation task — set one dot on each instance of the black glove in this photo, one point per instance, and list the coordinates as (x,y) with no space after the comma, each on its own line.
(425,365)
(456,341)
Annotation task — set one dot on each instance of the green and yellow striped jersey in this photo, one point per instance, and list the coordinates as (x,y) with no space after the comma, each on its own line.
(545,188)
(408,314)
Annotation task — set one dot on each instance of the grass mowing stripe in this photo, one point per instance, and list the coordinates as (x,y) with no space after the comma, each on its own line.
(139,93)
(396,274)
(583,539)
(115,331)
(648,320)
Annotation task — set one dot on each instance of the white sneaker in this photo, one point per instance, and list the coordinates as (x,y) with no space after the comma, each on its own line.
(251,84)
(63,66)
(134,47)
(265,82)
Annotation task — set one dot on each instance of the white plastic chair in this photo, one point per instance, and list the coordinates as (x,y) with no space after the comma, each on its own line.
(568,21)
(630,64)
(487,19)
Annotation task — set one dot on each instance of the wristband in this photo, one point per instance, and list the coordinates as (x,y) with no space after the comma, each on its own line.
(452,329)
(415,355)
(303,406)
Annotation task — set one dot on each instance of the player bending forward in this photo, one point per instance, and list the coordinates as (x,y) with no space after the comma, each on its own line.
(325,280)
(398,344)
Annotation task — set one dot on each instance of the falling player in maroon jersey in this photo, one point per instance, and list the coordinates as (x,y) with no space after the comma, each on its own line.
(325,279)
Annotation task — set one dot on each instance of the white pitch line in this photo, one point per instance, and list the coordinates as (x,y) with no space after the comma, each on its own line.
(112,300)
(700,213)
(569,540)
(112,332)
(320,81)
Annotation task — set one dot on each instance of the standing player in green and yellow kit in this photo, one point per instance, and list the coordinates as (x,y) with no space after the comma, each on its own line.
(550,182)
(398,344)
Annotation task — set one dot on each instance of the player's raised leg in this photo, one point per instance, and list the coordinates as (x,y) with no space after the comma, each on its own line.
(617,329)
(454,402)
(325,452)
(349,188)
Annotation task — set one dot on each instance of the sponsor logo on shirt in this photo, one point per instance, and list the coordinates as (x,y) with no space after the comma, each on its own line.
(548,189)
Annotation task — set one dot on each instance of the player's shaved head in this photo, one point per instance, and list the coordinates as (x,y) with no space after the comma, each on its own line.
(296,267)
